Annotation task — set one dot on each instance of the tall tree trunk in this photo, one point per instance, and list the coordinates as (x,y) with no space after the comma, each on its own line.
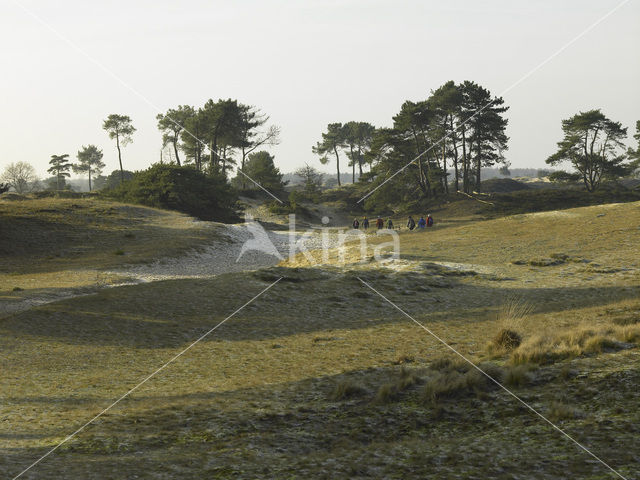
(353,164)
(120,158)
(243,180)
(465,166)
(478,165)
(211,156)
(422,181)
(175,149)
(224,161)
(58,180)
(89,179)
(455,152)
(421,177)
(445,177)
(360,159)
(335,149)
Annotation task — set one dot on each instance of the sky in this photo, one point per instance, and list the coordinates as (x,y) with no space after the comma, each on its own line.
(67,65)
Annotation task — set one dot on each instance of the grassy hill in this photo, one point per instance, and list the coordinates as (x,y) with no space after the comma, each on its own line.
(51,244)
(321,377)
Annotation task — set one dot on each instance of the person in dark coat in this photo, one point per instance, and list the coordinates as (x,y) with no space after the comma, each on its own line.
(411,224)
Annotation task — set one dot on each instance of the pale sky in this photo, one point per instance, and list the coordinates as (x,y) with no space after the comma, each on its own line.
(305,63)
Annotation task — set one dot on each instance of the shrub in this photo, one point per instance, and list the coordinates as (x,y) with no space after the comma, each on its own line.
(182,188)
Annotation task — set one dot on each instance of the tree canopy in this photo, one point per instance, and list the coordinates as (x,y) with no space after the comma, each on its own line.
(214,134)
(459,126)
(332,141)
(260,167)
(19,175)
(592,143)
(89,162)
(59,168)
(311,178)
(120,128)
(172,123)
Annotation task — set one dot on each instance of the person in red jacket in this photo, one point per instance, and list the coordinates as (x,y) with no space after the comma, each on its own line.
(379,223)
(429,221)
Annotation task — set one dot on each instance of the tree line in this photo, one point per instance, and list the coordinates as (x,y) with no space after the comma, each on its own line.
(212,136)
(442,143)
(434,146)
(459,127)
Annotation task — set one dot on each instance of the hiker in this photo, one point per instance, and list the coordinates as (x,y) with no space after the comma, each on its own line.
(356,224)
(389,224)
(411,224)
(365,223)
(379,223)
(422,222)
(429,221)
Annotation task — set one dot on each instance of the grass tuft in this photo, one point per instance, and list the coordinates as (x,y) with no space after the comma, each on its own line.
(391,391)
(346,389)
(403,359)
(451,383)
(507,339)
(571,343)
(518,375)
(561,411)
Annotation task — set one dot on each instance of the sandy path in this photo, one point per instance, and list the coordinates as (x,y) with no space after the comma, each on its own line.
(238,248)
(243,247)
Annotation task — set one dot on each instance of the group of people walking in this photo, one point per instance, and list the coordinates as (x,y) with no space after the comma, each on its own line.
(422,223)
(380,223)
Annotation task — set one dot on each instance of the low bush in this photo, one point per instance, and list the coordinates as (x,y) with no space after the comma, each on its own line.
(181,188)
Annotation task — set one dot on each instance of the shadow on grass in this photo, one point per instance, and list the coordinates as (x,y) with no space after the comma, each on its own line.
(173,313)
(294,427)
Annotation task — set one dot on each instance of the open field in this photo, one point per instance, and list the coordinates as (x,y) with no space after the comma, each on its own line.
(320,377)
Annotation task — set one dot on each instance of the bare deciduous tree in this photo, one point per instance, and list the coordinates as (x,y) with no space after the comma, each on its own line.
(20,176)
